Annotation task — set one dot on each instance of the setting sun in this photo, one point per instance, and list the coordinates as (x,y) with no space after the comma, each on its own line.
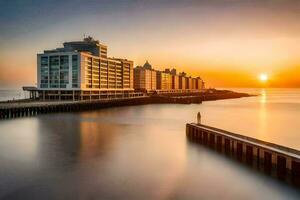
(263,77)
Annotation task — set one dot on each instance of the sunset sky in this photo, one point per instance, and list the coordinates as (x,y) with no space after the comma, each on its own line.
(227,42)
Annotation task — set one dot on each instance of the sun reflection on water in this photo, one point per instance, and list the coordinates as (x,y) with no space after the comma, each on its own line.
(263,95)
(262,114)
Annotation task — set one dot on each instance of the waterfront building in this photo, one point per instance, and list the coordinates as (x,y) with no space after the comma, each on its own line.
(145,78)
(147,65)
(175,82)
(190,83)
(153,80)
(181,81)
(194,84)
(163,80)
(167,81)
(173,71)
(82,70)
(199,83)
(187,83)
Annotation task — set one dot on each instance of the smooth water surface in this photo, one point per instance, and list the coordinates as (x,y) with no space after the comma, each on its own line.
(141,152)
(12,94)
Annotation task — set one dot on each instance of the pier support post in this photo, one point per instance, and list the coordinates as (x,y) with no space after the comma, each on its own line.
(212,140)
(281,166)
(187,130)
(227,146)
(249,154)
(256,156)
(205,137)
(239,151)
(296,172)
(267,162)
(219,143)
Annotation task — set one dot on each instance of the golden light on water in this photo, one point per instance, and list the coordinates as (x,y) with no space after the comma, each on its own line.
(263,98)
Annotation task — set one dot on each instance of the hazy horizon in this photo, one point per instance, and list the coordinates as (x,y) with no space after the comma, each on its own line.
(228,43)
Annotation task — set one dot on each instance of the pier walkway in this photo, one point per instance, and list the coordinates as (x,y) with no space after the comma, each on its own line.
(280,161)
(16,109)
(10,110)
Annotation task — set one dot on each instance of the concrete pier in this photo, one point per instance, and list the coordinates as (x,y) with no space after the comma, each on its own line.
(276,160)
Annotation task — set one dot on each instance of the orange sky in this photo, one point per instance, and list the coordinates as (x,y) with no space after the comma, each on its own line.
(227,43)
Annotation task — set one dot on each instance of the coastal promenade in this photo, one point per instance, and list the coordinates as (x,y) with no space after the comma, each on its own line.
(276,160)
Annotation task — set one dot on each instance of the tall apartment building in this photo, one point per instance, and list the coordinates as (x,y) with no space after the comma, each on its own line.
(199,83)
(145,78)
(163,81)
(174,78)
(194,84)
(82,70)
(181,81)
(175,82)
(187,85)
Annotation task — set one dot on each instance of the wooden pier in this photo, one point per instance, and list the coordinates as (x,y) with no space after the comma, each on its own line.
(11,110)
(276,160)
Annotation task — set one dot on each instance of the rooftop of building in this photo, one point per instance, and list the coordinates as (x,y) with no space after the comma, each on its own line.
(147,65)
(87,45)
(86,41)
(173,71)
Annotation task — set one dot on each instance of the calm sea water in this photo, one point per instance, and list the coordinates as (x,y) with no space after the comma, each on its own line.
(10,94)
(141,152)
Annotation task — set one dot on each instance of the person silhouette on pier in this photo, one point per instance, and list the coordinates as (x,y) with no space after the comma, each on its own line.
(198,118)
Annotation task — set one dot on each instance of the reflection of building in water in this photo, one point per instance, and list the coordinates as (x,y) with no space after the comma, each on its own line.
(59,140)
(74,138)
(96,137)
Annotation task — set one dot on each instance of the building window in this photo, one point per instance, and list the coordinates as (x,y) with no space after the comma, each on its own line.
(44,72)
(54,71)
(64,71)
(75,70)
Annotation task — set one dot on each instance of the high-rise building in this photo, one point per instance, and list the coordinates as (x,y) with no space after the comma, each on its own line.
(200,84)
(82,70)
(175,82)
(167,81)
(182,81)
(173,71)
(163,81)
(194,80)
(145,78)
(147,65)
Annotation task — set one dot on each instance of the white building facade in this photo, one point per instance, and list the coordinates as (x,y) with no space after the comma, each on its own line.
(82,70)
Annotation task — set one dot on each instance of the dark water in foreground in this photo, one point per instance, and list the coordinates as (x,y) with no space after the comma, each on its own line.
(141,152)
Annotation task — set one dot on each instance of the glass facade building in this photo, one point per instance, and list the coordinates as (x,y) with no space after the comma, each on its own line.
(54,71)
(75,71)
(83,66)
